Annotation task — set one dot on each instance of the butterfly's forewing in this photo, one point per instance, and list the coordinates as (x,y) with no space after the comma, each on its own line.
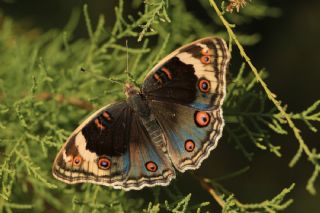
(185,92)
(112,148)
(193,75)
(97,151)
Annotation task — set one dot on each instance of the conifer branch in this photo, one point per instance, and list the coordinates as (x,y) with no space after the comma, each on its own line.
(270,95)
(32,169)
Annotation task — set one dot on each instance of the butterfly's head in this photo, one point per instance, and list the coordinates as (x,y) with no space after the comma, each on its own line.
(130,89)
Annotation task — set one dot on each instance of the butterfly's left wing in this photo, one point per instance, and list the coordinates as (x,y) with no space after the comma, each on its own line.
(185,92)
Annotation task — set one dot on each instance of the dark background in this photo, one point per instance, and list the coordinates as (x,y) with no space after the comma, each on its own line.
(289,50)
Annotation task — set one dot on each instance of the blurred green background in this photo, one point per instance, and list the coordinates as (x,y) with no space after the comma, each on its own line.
(289,50)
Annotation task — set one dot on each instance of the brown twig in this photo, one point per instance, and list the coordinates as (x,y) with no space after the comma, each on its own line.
(46,96)
(204,183)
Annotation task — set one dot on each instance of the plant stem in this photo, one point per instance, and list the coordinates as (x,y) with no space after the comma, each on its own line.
(270,95)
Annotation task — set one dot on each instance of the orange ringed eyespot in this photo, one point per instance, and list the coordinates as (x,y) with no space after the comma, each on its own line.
(189,145)
(104,163)
(204,85)
(151,166)
(205,59)
(201,118)
(205,51)
(77,160)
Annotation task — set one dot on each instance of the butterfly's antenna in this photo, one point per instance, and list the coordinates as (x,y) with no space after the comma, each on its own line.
(127,69)
(130,78)
(112,80)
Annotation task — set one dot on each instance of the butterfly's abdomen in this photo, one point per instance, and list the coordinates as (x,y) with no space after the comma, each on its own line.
(138,103)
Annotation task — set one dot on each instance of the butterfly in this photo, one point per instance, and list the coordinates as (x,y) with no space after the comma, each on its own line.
(171,123)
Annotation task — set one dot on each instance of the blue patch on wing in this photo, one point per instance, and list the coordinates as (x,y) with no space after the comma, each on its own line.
(183,132)
(105,122)
(126,162)
(200,106)
(175,141)
(153,156)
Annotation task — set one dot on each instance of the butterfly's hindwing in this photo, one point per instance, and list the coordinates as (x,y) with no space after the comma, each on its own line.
(191,134)
(149,164)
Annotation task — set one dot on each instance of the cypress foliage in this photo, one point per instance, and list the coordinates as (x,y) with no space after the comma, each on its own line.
(44,94)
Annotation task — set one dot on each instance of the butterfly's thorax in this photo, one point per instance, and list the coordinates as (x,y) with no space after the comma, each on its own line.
(136,100)
(139,104)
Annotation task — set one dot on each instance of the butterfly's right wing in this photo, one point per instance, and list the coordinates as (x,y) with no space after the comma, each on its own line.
(185,91)
(112,148)
(193,75)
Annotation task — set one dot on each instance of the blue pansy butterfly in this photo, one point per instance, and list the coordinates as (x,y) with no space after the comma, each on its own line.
(172,122)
